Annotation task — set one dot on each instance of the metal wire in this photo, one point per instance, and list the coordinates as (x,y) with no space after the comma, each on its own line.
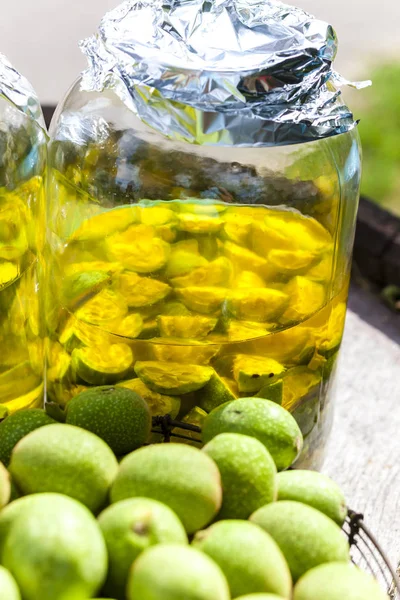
(166,426)
(364,548)
(367,553)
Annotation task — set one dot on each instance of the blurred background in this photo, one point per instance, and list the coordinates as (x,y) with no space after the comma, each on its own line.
(41,38)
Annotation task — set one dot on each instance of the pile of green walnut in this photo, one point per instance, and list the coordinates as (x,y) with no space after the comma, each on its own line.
(167,521)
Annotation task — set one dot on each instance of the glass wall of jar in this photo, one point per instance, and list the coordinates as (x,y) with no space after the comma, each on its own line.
(195,274)
(22,170)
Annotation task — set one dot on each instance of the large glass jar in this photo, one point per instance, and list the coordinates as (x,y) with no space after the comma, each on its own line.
(22,167)
(195,274)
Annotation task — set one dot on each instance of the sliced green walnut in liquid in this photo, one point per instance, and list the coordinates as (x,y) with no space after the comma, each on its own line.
(327,185)
(92,265)
(159,404)
(199,223)
(32,399)
(176,309)
(172,378)
(321,272)
(16,250)
(138,249)
(8,272)
(13,234)
(203,299)
(291,262)
(238,331)
(217,273)
(129,327)
(53,315)
(297,383)
(193,327)
(149,330)
(287,230)
(36,355)
(264,238)
(68,339)
(106,306)
(183,351)
(307,412)
(196,417)
(13,311)
(248,279)
(156,215)
(182,262)
(141,291)
(209,246)
(231,385)
(167,232)
(61,393)
(244,259)
(58,363)
(15,207)
(18,381)
(102,365)
(306,297)
(151,311)
(162,219)
(328,340)
(317,362)
(259,305)
(74,211)
(205,206)
(13,350)
(77,334)
(273,392)
(329,365)
(75,257)
(4,412)
(100,226)
(83,285)
(216,392)
(188,245)
(291,346)
(251,373)
(237,228)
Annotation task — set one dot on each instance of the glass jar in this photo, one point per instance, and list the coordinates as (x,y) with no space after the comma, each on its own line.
(22,168)
(195,274)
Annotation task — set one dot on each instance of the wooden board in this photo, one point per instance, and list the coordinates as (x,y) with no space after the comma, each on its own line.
(363,453)
(377,244)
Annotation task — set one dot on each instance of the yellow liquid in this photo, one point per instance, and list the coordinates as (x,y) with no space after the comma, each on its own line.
(192,288)
(21,339)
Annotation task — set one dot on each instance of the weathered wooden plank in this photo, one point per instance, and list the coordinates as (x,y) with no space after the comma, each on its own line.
(391,261)
(375,250)
(363,454)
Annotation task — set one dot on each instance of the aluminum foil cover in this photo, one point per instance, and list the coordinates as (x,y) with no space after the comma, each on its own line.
(242,72)
(17,90)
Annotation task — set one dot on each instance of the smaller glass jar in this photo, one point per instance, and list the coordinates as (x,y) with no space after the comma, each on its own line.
(22,175)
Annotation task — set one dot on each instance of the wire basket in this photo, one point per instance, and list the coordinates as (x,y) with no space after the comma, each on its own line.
(369,556)
(364,548)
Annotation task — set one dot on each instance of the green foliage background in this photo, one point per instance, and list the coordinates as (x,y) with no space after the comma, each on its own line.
(379,128)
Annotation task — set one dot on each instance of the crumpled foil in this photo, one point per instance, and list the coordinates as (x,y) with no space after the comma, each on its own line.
(241,72)
(19,92)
